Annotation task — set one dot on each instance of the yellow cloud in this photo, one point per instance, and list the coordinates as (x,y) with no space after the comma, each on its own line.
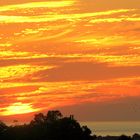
(18,108)
(56,17)
(5,44)
(108,41)
(51,4)
(12,54)
(11,72)
(110,20)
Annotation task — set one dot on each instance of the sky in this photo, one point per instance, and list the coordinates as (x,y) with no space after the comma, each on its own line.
(79,56)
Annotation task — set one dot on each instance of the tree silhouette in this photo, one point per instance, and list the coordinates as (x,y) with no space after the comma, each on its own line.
(53,115)
(38,119)
(53,126)
(123,137)
(2,126)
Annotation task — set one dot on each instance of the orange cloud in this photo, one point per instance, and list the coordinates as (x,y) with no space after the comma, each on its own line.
(61,53)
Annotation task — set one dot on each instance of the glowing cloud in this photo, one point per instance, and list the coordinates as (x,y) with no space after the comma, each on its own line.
(56,17)
(65,52)
(51,4)
(12,72)
(18,108)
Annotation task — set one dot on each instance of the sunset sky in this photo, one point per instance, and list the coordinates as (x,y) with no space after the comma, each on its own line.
(79,56)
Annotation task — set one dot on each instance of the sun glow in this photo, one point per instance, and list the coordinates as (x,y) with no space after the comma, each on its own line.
(18,108)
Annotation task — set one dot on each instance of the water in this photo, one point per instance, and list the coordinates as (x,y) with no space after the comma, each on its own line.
(113,128)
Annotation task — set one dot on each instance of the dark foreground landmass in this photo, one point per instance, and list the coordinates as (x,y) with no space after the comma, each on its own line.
(54,126)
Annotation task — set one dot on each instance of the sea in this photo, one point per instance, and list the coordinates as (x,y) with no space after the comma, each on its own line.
(113,128)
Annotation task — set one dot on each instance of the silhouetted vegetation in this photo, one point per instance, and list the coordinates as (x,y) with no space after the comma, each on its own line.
(53,126)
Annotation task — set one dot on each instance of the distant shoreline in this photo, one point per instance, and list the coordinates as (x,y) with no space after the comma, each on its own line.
(113,128)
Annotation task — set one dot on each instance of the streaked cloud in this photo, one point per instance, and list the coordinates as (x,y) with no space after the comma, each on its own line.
(115,20)
(13,72)
(30,5)
(64,53)
(55,17)
(5,45)
(108,41)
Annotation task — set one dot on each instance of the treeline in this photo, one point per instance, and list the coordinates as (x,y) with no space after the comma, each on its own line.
(52,126)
